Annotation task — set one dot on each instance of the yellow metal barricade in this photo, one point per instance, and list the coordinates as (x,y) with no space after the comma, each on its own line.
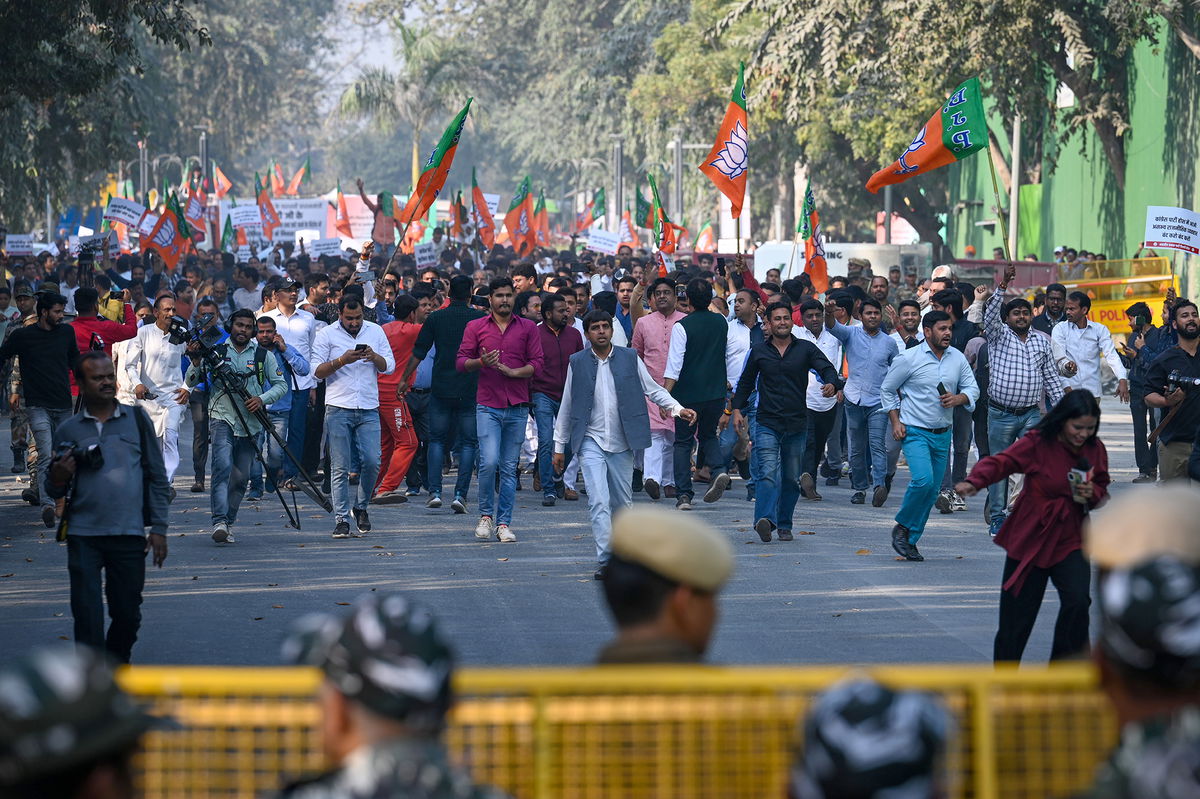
(629,732)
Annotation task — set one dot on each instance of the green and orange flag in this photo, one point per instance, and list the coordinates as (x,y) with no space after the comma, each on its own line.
(728,159)
(433,176)
(303,174)
(485,226)
(341,216)
(643,209)
(815,265)
(955,130)
(705,241)
(519,219)
(220,182)
(541,219)
(266,208)
(664,230)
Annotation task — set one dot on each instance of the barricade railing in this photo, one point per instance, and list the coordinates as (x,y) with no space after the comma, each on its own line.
(628,732)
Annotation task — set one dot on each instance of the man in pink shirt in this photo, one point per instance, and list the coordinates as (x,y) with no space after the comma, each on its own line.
(506,351)
(652,341)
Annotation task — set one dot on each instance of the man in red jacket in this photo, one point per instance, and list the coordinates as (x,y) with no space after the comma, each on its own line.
(89,326)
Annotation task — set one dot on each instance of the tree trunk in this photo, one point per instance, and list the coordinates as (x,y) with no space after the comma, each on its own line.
(912,206)
(1185,36)
(1084,89)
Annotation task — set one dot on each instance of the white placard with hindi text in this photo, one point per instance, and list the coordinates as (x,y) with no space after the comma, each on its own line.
(243,253)
(426,254)
(104,244)
(146,226)
(128,212)
(245,216)
(1172,229)
(19,244)
(603,241)
(493,203)
(319,247)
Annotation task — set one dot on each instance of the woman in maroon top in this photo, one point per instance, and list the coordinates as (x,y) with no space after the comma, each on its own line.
(1066,475)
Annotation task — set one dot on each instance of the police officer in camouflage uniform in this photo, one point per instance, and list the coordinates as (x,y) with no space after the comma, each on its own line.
(1149,660)
(384,699)
(66,730)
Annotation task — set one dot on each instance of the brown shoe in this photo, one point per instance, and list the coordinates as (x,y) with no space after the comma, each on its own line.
(669,492)
(537,480)
(570,494)
(652,488)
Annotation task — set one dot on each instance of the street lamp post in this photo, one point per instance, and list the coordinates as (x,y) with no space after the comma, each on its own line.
(618,156)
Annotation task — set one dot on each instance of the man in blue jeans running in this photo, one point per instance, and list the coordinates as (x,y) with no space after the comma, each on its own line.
(506,351)
(779,367)
(919,393)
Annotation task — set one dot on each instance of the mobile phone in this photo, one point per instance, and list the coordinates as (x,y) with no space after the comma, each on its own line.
(359,347)
(367,276)
(941,389)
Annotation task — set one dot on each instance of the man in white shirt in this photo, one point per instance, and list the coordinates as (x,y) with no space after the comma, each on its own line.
(248,294)
(299,330)
(745,330)
(603,418)
(1078,345)
(822,410)
(350,356)
(154,367)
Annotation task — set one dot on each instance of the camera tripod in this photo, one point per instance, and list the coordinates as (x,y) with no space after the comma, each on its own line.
(231,384)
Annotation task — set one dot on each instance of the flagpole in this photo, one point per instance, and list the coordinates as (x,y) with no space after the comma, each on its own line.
(792,258)
(1000,206)
(737,232)
(408,224)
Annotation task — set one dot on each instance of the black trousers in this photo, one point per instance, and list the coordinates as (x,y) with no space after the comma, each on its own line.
(122,559)
(418,406)
(820,424)
(1072,578)
(705,429)
(1145,419)
(312,456)
(199,409)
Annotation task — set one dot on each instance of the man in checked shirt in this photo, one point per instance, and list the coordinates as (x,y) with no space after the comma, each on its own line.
(1022,371)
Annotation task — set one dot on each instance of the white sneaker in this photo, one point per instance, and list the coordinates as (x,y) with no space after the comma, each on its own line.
(505,535)
(458,506)
(229,538)
(220,533)
(434,501)
(483,530)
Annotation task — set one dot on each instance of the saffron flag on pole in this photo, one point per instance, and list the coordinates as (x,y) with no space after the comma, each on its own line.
(809,229)
(433,176)
(519,219)
(643,209)
(228,238)
(277,183)
(541,219)
(222,183)
(458,215)
(166,238)
(625,232)
(728,159)
(705,242)
(341,217)
(195,212)
(485,226)
(266,208)
(955,130)
(302,175)
(664,230)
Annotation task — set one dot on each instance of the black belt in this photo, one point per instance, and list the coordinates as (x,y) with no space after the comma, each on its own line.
(419,390)
(1013,411)
(937,431)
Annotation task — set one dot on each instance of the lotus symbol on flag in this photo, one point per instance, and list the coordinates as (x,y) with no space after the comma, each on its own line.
(731,160)
(166,234)
(523,224)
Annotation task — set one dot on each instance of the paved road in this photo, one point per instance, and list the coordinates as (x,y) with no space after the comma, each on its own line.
(836,596)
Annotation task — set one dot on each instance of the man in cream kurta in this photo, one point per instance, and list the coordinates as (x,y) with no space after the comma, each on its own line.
(652,342)
(153,366)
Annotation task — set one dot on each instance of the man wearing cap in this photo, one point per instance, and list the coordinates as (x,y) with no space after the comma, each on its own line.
(604,418)
(66,728)
(299,329)
(862,739)
(661,586)
(383,699)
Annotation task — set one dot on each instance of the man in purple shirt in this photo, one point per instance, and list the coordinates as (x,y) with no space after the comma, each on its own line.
(506,351)
(560,340)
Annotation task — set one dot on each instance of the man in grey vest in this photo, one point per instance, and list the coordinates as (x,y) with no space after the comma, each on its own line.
(604,418)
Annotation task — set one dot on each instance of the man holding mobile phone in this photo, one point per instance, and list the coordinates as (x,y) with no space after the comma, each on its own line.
(1141,346)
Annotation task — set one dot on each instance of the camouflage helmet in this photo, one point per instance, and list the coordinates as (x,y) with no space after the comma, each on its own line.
(387,655)
(1150,622)
(862,739)
(60,708)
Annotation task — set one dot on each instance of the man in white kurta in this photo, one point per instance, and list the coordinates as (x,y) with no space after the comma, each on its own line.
(154,367)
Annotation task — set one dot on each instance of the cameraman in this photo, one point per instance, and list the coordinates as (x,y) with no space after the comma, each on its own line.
(1181,405)
(109,507)
(234,429)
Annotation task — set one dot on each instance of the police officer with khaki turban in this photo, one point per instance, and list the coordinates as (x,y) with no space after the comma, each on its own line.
(661,586)
(66,730)
(383,700)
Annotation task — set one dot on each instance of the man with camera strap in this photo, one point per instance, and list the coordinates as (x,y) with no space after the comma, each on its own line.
(1171,384)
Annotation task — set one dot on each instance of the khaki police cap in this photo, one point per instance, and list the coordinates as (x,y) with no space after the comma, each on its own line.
(676,546)
(1144,522)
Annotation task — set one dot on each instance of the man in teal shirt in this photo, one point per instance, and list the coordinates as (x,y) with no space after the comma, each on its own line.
(233,429)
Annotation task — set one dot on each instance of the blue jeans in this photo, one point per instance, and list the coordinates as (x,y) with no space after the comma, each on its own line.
(926,454)
(728,438)
(779,460)
(42,424)
(445,415)
(545,409)
(609,477)
(866,426)
(1003,430)
(351,430)
(231,458)
(271,451)
(296,427)
(501,431)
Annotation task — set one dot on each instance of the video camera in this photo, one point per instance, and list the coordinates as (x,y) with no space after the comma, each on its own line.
(206,336)
(1178,378)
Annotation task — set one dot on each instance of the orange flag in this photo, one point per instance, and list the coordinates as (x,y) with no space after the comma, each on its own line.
(541,220)
(519,219)
(165,239)
(266,208)
(433,177)
(293,188)
(222,183)
(277,182)
(458,215)
(485,226)
(341,217)
(727,162)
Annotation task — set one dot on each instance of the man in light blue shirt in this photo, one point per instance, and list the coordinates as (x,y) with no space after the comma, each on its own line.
(920,393)
(869,353)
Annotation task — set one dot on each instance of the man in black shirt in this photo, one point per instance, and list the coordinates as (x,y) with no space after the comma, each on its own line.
(47,351)
(452,401)
(779,367)
(1056,302)
(1175,440)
